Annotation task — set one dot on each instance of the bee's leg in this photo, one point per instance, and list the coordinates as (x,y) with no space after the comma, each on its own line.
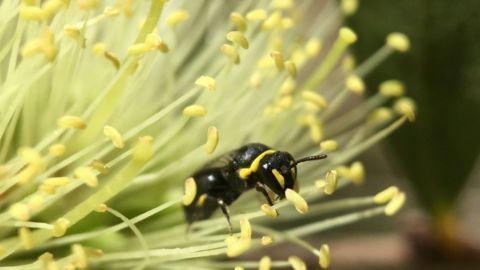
(226,213)
(260,187)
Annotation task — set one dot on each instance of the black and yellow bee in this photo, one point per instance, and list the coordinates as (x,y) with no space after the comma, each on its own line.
(221,182)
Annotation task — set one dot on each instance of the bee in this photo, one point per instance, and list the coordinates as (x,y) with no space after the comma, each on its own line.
(220,182)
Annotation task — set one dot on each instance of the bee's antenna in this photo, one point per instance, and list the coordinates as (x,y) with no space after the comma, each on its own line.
(300,160)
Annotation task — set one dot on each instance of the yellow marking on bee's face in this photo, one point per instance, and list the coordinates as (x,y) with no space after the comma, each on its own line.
(201,200)
(244,173)
(279,177)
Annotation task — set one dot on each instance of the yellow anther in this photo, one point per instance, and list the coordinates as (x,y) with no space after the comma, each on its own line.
(291,68)
(88,4)
(72,31)
(79,256)
(99,166)
(206,81)
(35,202)
(44,45)
(269,210)
(299,57)
(282,4)
(273,21)
(279,177)
(86,175)
(278,60)
(237,246)
(239,21)
(380,116)
(60,227)
(314,98)
(195,111)
(237,37)
(386,195)
(329,145)
(355,84)
(313,47)
(324,256)
(176,18)
(285,102)
(31,156)
(320,184)
(257,15)
(32,13)
(405,106)
(349,7)
(357,173)
(395,204)
(297,200)
(99,48)
(297,263)
(398,42)
(154,42)
(28,173)
(101,208)
(111,11)
(71,121)
(47,189)
(19,211)
(265,263)
(212,139)
(47,261)
(316,131)
(190,191)
(143,149)
(138,48)
(347,35)
(56,150)
(245,229)
(287,23)
(266,240)
(392,88)
(331,182)
(115,136)
(52,6)
(25,236)
(231,53)
(287,87)
(51,184)
(256,79)
(112,58)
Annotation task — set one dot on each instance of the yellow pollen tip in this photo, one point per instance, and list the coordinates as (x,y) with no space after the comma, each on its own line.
(176,18)
(99,48)
(245,229)
(355,84)
(395,204)
(208,82)
(392,88)
(212,139)
(47,261)
(79,256)
(331,182)
(347,35)
(55,182)
(278,60)
(298,201)
(265,263)
(237,246)
(57,150)
(386,195)
(111,11)
(297,263)
(380,116)
(237,37)
(72,31)
(287,87)
(86,175)
(19,211)
(287,23)
(329,145)
(32,13)
(102,208)
(115,136)
(315,99)
(349,7)
(60,227)
(195,111)
(357,173)
(398,42)
(257,15)
(406,106)
(269,210)
(35,202)
(231,53)
(71,121)
(25,236)
(190,191)
(143,149)
(291,68)
(88,4)
(273,21)
(282,4)
(324,256)
(138,48)
(313,47)
(99,166)
(154,42)
(239,21)
(266,240)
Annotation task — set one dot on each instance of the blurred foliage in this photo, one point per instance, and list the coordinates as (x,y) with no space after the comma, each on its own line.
(442,73)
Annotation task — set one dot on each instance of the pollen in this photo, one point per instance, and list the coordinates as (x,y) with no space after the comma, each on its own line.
(245,229)
(282,4)
(33,158)
(195,111)
(101,208)
(386,195)
(269,210)
(297,263)
(60,227)
(265,263)
(405,106)
(257,15)
(357,173)
(313,47)
(315,99)
(231,53)
(19,211)
(287,87)
(88,4)
(35,202)
(237,246)
(273,21)
(190,191)
(32,13)
(278,60)
(115,136)
(25,236)
(212,139)
(176,18)
(380,115)
(71,121)
(297,200)
(207,82)
(72,31)
(291,68)
(143,151)
(349,7)
(50,185)
(347,35)
(330,182)
(398,42)
(99,48)
(239,21)
(111,11)
(86,175)
(324,256)
(57,150)
(47,261)
(266,240)
(154,42)
(355,84)
(80,257)
(99,166)
(395,204)
(392,88)
(237,37)
(52,6)
(329,145)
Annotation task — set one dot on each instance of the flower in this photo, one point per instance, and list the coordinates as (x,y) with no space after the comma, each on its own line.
(108,107)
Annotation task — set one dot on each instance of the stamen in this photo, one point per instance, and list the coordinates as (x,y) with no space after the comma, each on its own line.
(35,202)
(237,37)
(257,15)
(102,208)
(269,210)
(71,121)
(265,263)
(32,13)
(176,18)
(357,173)
(266,240)
(208,82)
(86,175)
(331,182)
(314,98)
(297,263)
(88,4)
(392,88)
(328,145)
(143,151)
(231,53)
(245,229)
(60,227)
(349,7)
(313,47)
(99,166)
(355,84)
(395,204)
(386,195)
(19,211)
(25,236)
(273,21)
(324,256)
(282,4)
(239,21)
(380,116)
(115,136)
(298,201)
(80,257)
(398,42)
(57,150)
(291,68)
(195,111)
(237,246)
(278,60)
(47,261)
(406,106)
(212,139)
(190,191)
